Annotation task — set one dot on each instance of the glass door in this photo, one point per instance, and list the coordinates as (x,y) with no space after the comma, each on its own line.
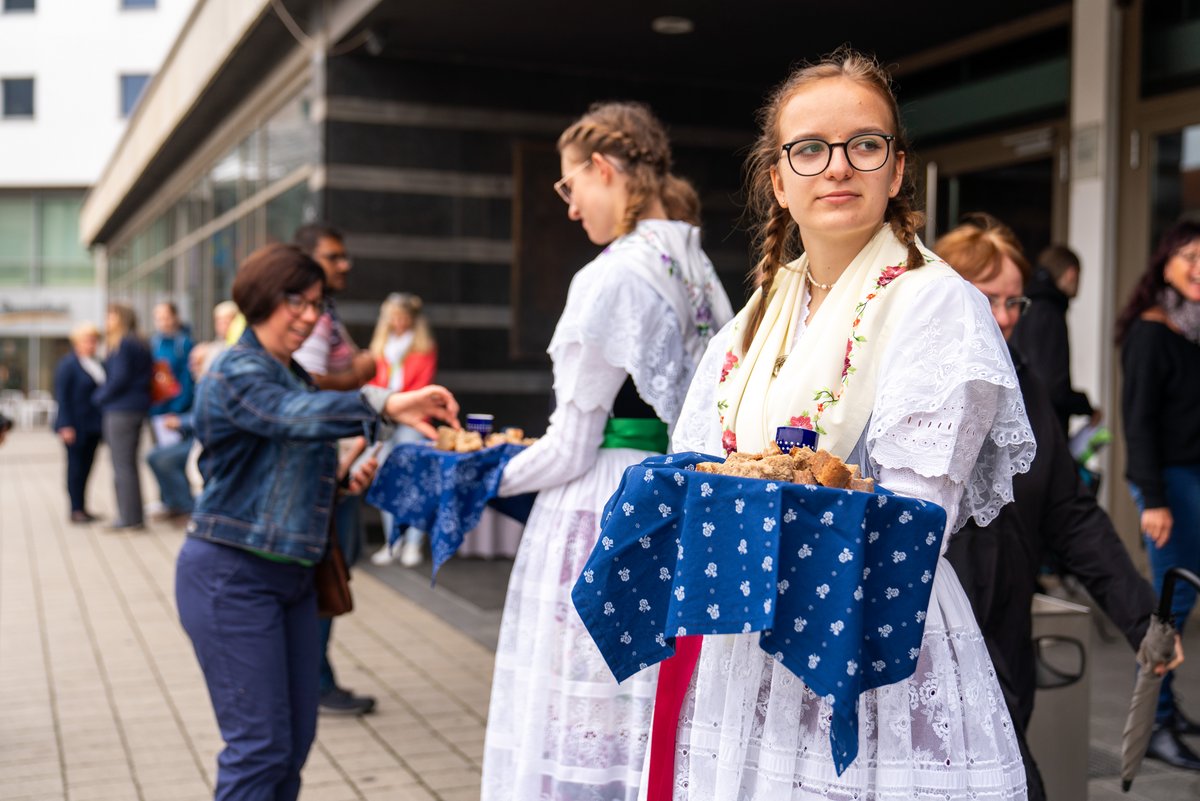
(1016,176)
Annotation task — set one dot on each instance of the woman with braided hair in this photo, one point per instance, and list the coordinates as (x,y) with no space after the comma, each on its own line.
(872,341)
(637,320)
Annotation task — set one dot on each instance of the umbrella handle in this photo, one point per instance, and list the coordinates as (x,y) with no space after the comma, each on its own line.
(1168,590)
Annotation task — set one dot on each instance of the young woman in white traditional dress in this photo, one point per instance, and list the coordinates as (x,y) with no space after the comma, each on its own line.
(636,322)
(869,339)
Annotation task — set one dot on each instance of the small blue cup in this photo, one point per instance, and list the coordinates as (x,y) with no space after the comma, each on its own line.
(481,423)
(788,437)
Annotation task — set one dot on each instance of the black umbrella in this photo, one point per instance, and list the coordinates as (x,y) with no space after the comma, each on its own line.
(1157,648)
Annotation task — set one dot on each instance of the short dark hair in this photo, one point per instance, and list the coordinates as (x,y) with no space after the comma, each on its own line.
(1057,259)
(268,274)
(307,236)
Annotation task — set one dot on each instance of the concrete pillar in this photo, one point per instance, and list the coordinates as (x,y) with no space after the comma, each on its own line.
(1092,219)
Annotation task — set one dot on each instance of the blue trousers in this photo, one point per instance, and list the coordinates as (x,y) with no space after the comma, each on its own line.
(1181,550)
(169,465)
(347,517)
(253,624)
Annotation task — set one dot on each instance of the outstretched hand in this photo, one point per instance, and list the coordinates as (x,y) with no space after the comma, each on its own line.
(1176,661)
(414,408)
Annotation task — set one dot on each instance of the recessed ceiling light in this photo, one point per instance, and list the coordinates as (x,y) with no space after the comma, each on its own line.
(672,26)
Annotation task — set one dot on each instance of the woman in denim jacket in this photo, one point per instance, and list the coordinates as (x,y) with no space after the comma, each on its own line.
(244,580)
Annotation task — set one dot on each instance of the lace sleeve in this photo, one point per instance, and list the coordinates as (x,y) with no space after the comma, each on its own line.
(623,323)
(949,404)
(699,428)
(572,440)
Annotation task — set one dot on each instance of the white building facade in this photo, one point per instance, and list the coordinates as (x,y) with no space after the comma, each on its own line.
(71,73)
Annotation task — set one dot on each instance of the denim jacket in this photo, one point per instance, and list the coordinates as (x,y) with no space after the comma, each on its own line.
(270,454)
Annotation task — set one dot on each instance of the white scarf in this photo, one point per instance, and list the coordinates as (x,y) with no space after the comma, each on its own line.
(826,382)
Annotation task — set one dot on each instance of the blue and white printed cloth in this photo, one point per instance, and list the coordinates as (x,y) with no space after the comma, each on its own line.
(838,582)
(444,493)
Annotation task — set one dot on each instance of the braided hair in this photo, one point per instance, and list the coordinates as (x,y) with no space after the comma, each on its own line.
(632,138)
(776,236)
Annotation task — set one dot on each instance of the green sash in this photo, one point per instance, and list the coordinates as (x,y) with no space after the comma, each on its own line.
(643,434)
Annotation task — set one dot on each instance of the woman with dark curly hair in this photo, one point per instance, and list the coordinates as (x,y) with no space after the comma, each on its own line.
(1159,335)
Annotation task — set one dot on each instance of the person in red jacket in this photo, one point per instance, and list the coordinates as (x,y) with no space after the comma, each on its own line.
(405,358)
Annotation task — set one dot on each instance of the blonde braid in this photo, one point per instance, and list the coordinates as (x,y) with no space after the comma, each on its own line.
(629,135)
(774,236)
(905,221)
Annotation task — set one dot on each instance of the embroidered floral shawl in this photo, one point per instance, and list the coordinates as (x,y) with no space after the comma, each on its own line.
(827,381)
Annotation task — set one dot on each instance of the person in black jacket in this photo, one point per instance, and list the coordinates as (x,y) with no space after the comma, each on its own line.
(124,400)
(1052,513)
(1041,332)
(76,378)
(1159,335)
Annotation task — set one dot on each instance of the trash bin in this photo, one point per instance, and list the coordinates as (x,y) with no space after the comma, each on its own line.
(1058,731)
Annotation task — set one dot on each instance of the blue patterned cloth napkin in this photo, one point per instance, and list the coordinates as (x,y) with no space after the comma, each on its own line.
(444,493)
(838,582)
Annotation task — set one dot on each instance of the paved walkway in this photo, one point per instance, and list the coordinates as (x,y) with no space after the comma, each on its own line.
(101,698)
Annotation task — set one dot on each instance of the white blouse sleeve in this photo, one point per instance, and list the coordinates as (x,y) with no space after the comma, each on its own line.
(699,427)
(572,441)
(949,407)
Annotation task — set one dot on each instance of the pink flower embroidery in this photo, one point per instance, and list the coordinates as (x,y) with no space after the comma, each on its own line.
(802,420)
(729,441)
(730,362)
(846,364)
(890,274)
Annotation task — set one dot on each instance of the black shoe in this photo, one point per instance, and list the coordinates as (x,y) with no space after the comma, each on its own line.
(83,517)
(343,702)
(1165,746)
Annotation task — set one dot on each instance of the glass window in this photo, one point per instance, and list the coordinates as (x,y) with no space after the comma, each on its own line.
(132,87)
(1175,180)
(226,176)
(18,5)
(16,240)
(287,211)
(64,260)
(18,97)
(14,363)
(50,351)
(224,259)
(292,139)
(1170,46)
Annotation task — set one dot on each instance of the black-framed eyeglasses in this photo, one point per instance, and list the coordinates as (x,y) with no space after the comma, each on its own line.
(298,303)
(1019,304)
(865,153)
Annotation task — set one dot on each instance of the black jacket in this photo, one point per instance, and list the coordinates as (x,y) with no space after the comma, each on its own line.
(1041,337)
(1052,515)
(1158,402)
(73,389)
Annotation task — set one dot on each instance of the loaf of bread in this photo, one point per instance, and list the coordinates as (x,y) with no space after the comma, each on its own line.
(799,466)
(463,441)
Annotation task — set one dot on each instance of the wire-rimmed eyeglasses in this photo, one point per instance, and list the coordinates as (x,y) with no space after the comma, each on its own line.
(1019,304)
(563,185)
(865,153)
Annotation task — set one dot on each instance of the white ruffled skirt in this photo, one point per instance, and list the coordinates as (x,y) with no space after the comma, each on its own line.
(751,731)
(559,725)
